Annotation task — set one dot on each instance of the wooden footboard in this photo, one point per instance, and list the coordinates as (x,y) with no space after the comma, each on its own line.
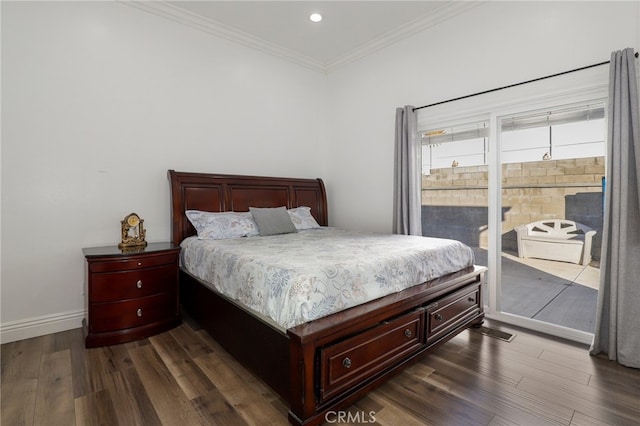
(338,359)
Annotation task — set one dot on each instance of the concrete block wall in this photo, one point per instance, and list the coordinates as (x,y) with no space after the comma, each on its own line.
(453,198)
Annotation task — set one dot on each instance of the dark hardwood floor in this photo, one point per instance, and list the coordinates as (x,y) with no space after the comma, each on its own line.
(183,378)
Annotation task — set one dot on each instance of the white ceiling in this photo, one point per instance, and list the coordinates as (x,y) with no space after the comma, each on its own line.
(349,30)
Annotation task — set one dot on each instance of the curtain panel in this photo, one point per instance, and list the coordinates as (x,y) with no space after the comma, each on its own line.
(617,330)
(407,198)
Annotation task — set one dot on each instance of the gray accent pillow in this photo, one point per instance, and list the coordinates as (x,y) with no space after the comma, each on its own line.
(273,220)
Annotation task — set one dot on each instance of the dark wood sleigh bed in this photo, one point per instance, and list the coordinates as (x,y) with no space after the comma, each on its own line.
(326,364)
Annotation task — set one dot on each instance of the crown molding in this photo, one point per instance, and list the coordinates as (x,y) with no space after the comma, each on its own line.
(177,14)
(443,13)
(190,19)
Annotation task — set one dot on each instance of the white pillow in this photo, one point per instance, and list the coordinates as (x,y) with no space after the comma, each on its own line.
(223,225)
(302,218)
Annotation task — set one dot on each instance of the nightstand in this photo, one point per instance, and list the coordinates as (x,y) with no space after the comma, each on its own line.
(130,294)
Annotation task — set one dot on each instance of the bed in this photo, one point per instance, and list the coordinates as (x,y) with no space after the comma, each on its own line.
(328,363)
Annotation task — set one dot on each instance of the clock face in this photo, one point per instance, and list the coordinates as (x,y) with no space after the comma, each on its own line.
(133,220)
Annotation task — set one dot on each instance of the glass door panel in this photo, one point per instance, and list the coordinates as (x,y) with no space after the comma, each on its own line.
(454,186)
(551,195)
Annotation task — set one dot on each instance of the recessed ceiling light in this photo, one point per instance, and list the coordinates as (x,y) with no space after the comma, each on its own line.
(315,17)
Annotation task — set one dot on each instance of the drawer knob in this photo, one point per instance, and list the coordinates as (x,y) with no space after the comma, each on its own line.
(472,299)
(438,317)
(407,333)
(139,284)
(346,363)
(139,312)
(139,263)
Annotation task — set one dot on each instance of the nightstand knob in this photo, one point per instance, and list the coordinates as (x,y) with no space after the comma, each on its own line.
(346,363)
(139,263)
(139,284)
(438,317)
(139,312)
(407,333)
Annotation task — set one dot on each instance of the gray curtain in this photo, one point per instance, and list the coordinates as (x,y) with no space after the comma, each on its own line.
(407,198)
(618,317)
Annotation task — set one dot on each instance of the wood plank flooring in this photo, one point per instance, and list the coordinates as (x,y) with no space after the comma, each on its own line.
(183,378)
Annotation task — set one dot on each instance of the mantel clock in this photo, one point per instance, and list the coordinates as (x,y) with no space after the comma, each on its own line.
(133,232)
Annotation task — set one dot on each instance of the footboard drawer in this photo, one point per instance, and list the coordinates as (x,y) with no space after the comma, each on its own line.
(449,312)
(351,361)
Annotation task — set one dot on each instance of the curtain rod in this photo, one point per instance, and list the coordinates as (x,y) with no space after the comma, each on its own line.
(515,84)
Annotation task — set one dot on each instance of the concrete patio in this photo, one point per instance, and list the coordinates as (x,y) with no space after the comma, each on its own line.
(556,292)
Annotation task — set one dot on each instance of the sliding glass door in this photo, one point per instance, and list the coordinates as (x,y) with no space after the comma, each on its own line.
(524,188)
(551,198)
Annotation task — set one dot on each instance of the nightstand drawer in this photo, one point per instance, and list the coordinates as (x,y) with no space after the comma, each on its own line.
(113,286)
(133,262)
(107,317)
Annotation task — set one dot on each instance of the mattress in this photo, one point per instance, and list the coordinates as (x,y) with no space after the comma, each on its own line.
(299,277)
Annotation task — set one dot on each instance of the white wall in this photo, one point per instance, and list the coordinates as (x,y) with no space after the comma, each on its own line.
(99,100)
(492,45)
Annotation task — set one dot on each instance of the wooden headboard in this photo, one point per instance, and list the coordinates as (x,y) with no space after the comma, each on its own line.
(219,193)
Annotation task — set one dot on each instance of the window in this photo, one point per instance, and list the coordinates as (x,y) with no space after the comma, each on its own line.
(559,134)
(576,132)
(461,145)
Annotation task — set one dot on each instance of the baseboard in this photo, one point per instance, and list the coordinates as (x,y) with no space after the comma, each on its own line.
(39,326)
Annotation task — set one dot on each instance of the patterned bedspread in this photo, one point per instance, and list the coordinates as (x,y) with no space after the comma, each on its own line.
(299,277)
